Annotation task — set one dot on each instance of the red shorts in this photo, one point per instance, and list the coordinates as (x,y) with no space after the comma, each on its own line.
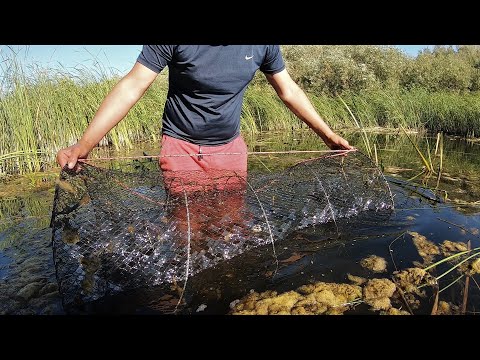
(225,169)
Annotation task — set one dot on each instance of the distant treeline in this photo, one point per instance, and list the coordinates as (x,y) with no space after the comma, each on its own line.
(329,69)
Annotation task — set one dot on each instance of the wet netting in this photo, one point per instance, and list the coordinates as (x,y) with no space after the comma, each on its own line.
(127,228)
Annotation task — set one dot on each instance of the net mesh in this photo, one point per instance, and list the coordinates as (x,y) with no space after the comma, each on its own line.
(116,230)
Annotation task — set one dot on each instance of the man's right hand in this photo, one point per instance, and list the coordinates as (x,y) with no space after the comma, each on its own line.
(71,154)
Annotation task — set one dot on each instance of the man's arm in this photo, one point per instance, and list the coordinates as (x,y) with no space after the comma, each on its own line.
(113,109)
(298,103)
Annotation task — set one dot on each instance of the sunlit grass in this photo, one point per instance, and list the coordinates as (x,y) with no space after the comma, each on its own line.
(43,112)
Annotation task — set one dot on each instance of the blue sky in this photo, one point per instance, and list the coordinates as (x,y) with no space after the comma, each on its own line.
(119,57)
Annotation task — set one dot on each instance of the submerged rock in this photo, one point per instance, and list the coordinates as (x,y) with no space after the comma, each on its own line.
(49,288)
(30,290)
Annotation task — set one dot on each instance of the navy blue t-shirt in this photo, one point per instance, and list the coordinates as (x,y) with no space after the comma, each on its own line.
(206,86)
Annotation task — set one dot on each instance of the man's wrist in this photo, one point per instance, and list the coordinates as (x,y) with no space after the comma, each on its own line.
(326,134)
(87,145)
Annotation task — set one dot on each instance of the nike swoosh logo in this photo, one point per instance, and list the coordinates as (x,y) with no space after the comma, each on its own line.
(248,57)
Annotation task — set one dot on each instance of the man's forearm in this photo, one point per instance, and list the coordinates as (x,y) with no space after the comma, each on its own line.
(113,109)
(300,105)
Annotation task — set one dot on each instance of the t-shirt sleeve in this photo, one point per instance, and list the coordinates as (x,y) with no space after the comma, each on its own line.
(273,61)
(156,57)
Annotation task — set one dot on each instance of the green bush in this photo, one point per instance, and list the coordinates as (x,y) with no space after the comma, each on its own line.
(333,69)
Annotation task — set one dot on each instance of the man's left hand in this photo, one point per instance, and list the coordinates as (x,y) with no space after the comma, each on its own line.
(336,142)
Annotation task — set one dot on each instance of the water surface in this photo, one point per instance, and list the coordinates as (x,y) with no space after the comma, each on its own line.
(451,212)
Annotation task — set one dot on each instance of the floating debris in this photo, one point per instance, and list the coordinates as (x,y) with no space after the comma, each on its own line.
(445,308)
(449,248)
(233,303)
(349,292)
(411,284)
(266,303)
(410,279)
(374,263)
(476,266)
(356,280)
(426,249)
(377,293)
(320,298)
(314,299)
(394,311)
(473,268)
(202,307)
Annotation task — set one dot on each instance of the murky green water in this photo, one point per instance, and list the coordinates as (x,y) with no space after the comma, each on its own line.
(451,212)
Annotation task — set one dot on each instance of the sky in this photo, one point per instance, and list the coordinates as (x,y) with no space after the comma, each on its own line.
(120,58)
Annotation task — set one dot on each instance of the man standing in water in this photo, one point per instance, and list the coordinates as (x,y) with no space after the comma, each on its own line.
(203,106)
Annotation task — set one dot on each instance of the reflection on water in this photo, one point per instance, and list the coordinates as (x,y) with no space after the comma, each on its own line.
(27,276)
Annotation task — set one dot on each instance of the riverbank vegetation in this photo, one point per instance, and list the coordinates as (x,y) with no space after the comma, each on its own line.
(42,110)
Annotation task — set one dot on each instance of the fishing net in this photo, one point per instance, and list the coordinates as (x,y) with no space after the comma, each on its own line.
(125,228)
